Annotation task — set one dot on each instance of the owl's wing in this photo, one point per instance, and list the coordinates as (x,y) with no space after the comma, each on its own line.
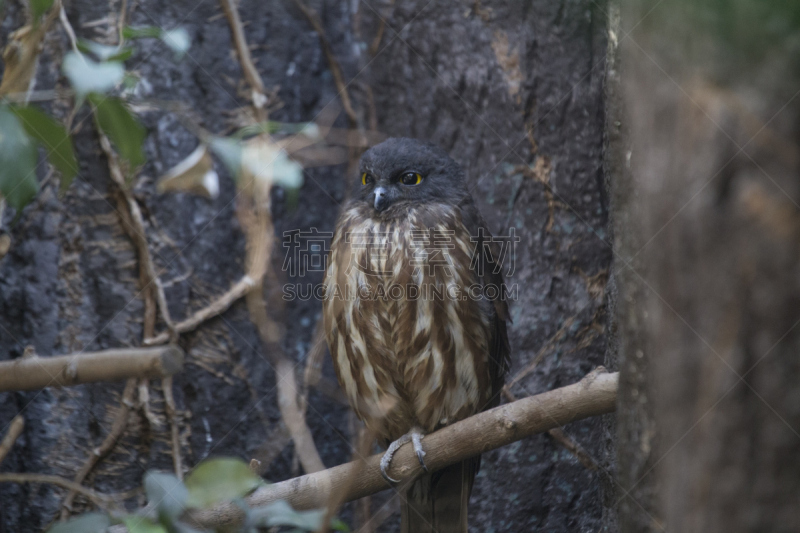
(488,258)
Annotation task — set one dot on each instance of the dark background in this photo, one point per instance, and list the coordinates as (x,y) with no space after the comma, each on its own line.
(495,83)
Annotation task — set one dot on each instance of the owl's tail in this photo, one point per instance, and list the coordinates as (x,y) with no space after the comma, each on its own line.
(438,502)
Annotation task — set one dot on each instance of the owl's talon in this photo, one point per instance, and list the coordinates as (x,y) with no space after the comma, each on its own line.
(389,480)
(416,439)
(386,460)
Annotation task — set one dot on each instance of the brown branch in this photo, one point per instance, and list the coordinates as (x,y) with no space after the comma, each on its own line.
(35,372)
(14,431)
(574,448)
(363,439)
(594,395)
(558,435)
(336,69)
(243,51)
(153,290)
(288,404)
(259,232)
(21,54)
(169,400)
(217,307)
(117,429)
(134,227)
(104,501)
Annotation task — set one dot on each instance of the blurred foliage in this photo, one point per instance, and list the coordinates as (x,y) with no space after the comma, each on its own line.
(39,8)
(18,157)
(211,482)
(121,127)
(96,72)
(53,137)
(731,38)
(177,39)
(89,76)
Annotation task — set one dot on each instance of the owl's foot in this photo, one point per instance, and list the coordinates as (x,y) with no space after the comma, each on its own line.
(415,436)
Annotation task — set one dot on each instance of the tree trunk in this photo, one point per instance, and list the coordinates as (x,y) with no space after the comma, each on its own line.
(706,224)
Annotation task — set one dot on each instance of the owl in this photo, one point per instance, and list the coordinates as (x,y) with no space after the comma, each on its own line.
(415,316)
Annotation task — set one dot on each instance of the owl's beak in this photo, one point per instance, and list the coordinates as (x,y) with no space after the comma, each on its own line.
(381,199)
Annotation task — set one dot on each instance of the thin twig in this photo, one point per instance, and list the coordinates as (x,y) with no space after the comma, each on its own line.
(386,510)
(258,229)
(152,287)
(336,69)
(14,431)
(117,430)
(363,442)
(104,501)
(73,40)
(144,404)
(169,400)
(259,232)
(134,226)
(217,307)
(243,51)
(121,22)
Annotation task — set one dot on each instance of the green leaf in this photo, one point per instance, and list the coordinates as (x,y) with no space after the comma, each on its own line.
(142,524)
(309,129)
(280,513)
(55,139)
(178,40)
(18,158)
(88,76)
(339,525)
(230,153)
(137,32)
(166,492)
(104,52)
(39,8)
(122,128)
(222,479)
(87,523)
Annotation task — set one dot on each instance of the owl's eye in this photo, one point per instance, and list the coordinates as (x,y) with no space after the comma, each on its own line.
(411,178)
(366,178)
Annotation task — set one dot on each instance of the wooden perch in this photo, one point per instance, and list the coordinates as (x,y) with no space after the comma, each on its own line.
(594,395)
(30,373)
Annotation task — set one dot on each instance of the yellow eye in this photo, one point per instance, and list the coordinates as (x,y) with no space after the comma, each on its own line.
(411,178)
(365,178)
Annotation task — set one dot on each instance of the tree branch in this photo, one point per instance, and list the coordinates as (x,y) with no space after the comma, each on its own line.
(250,72)
(103,501)
(217,307)
(333,63)
(117,429)
(594,395)
(30,373)
(14,431)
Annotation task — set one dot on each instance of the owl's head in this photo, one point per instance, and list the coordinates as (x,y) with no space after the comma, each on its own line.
(400,173)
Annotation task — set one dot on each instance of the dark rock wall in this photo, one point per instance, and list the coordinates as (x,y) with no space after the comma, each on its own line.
(497,84)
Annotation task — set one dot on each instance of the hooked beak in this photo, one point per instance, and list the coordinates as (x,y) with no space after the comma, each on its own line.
(381,199)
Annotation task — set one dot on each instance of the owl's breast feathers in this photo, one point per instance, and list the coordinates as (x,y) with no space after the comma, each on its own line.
(413,337)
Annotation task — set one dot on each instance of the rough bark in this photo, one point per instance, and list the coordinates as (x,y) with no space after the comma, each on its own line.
(707,223)
(498,84)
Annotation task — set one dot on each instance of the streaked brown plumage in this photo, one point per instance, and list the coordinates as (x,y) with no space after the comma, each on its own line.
(416,362)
